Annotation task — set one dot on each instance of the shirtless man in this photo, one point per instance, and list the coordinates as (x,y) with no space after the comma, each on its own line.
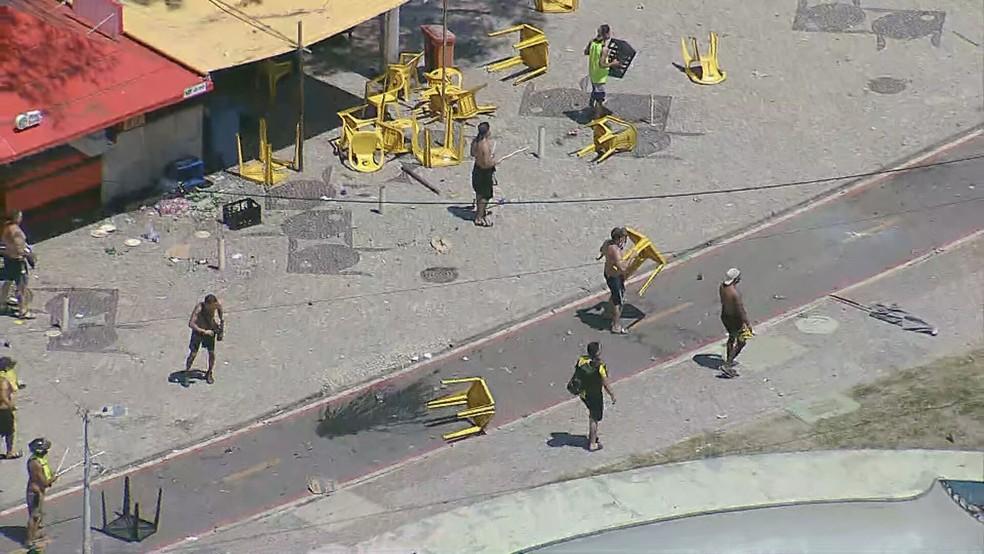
(17,257)
(734,318)
(611,250)
(206,325)
(483,173)
(8,386)
(39,479)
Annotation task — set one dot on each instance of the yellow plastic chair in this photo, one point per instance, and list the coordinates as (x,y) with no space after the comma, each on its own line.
(533,49)
(385,89)
(453,76)
(350,124)
(365,151)
(465,105)
(394,139)
(608,140)
(480,406)
(556,6)
(710,71)
(273,71)
(266,169)
(430,154)
(407,68)
(642,250)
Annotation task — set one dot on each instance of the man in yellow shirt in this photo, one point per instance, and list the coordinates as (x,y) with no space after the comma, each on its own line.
(593,375)
(598,63)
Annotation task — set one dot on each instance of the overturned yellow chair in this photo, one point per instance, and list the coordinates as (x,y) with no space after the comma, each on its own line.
(267,169)
(611,134)
(710,70)
(642,250)
(431,154)
(479,402)
(534,52)
(556,6)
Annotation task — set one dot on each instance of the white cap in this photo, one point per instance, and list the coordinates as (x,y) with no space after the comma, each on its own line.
(731,276)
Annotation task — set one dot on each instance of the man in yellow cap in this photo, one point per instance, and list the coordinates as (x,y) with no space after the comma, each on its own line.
(39,479)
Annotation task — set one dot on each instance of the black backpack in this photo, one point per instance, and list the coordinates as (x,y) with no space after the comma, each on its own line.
(576,386)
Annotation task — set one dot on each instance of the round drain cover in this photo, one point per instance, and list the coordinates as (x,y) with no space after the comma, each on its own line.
(439,274)
(817,324)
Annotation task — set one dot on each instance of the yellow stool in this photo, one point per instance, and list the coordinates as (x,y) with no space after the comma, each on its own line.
(480,406)
(608,140)
(533,48)
(642,249)
(710,71)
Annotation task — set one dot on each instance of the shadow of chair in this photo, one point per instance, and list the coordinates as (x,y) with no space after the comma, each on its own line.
(533,52)
(477,398)
(611,134)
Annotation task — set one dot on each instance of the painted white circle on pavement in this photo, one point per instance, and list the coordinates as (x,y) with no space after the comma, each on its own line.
(814,324)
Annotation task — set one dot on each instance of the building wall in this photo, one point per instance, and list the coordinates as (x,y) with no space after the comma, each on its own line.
(132,167)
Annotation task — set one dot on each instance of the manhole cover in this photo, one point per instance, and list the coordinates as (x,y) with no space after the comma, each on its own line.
(320,224)
(439,274)
(909,25)
(886,85)
(322,259)
(832,18)
(817,324)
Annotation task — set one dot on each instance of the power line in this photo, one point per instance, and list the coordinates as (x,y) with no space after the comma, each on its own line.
(529,273)
(634,198)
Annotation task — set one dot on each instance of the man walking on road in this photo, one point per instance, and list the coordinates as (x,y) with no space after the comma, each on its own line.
(615,276)
(39,479)
(206,325)
(8,424)
(598,63)
(593,376)
(735,320)
(483,173)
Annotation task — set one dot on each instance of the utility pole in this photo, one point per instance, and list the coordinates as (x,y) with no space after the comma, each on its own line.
(86,508)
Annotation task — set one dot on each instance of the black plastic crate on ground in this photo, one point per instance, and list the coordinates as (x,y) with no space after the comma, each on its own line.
(241,214)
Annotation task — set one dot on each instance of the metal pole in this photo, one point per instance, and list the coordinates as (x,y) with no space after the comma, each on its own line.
(86,513)
(300,89)
(65,315)
(444,55)
(221,255)
(541,141)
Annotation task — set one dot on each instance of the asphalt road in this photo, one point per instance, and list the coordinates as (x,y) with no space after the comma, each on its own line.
(932,523)
(784,266)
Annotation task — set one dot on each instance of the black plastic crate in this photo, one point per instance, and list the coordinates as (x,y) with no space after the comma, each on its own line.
(621,51)
(241,214)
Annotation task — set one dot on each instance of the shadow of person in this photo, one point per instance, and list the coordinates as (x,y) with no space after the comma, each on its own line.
(598,316)
(566,439)
(462,212)
(16,533)
(710,361)
(184,378)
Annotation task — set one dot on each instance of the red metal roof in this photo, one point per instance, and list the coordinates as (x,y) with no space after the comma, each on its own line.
(81,81)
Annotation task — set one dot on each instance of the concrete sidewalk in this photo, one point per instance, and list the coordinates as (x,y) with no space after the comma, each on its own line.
(553,512)
(321,299)
(807,359)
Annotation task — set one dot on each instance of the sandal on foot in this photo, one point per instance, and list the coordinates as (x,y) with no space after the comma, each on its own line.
(11,455)
(209,378)
(26,315)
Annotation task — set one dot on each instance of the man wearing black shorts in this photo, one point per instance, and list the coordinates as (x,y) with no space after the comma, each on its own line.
(206,325)
(593,374)
(611,250)
(734,319)
(483,173)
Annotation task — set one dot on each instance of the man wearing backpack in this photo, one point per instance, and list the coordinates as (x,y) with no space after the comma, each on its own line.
(590,377)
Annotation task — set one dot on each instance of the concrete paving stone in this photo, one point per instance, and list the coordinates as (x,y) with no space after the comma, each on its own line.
(812,411)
